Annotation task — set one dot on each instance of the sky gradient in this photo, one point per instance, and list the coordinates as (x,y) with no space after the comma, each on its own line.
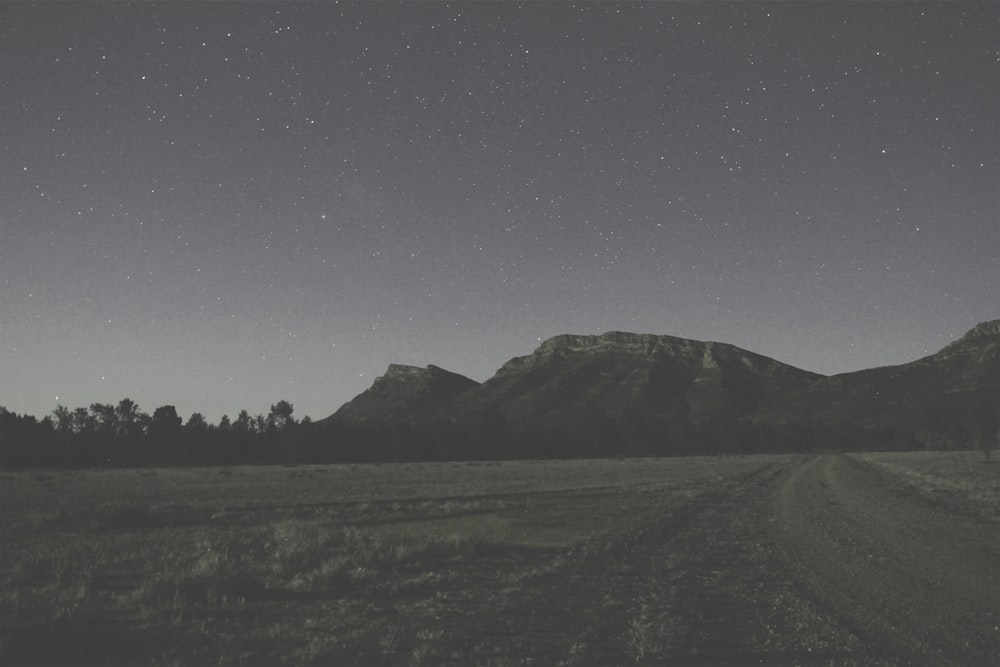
(217,206)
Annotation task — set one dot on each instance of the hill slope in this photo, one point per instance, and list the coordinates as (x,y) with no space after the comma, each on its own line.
(938,400)
(404,391)
(621,394)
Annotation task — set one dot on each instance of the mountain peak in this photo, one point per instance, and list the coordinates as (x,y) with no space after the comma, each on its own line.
(610,339)
(694,353)
(987,333)
(404,389)
(987,328)
(623,341)
(400,371)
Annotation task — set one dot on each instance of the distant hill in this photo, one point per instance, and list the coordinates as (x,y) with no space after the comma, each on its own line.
(618,373)
(623,394)
(936,401)
(404,391)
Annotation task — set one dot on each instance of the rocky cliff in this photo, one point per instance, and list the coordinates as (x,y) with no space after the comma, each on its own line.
(617,373)
(641,394)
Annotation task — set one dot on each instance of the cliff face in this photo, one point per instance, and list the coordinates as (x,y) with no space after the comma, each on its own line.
(616,372)
(634,346)
(620,393)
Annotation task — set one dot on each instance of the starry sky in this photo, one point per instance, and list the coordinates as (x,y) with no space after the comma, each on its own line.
(220,205)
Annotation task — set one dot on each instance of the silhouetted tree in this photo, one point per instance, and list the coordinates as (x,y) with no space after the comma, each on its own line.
(243,424)
(197,442)
(83,421)
(165,423)
(124,435)
(27,442)
(277,428)
(280,416)
(196,424)
(260,424)
(13,451)
(63,419)
(129,420)
(105,418)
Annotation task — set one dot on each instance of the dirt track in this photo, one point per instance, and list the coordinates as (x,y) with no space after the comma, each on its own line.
(815,563)
(915,584)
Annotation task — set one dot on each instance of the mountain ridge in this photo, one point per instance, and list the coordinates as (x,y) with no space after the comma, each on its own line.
(622,393)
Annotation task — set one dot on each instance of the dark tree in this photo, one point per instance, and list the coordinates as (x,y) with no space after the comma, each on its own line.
(122,434)
(260,424)
(280,416)
(83,421)
(105,418)
(243,423)
(196,423)
(129,419)
(63,419)
(165,424)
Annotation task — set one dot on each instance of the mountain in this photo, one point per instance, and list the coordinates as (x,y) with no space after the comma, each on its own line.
(937,400)
(404,391)
(623,394)
(617,373)
(614,394)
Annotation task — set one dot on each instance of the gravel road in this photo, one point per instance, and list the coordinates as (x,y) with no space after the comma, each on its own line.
(821,561)
(917,584)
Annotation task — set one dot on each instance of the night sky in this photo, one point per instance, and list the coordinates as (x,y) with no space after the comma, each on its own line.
(217,206)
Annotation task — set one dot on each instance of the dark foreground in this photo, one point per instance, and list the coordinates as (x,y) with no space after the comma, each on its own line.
(880,559)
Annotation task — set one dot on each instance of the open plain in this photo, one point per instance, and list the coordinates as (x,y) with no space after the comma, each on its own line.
(788,559)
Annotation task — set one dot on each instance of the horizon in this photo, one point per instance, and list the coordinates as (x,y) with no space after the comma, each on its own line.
(219,206)
(298,417)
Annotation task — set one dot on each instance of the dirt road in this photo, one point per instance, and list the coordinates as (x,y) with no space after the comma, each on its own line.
(818,562)
(914,583)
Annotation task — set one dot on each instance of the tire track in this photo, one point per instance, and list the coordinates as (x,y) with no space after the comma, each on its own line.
(915,584)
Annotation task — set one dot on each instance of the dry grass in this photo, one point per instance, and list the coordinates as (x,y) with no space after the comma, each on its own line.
(959,481)
(402,564)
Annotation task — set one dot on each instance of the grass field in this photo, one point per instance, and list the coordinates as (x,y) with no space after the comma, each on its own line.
(961,481)
(327,564)
(513,563)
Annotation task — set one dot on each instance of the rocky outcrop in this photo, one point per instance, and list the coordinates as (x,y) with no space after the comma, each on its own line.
(978,350)
(690,353)
(987,332)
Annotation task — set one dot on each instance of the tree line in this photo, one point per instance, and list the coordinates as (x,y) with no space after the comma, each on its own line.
(123,435)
